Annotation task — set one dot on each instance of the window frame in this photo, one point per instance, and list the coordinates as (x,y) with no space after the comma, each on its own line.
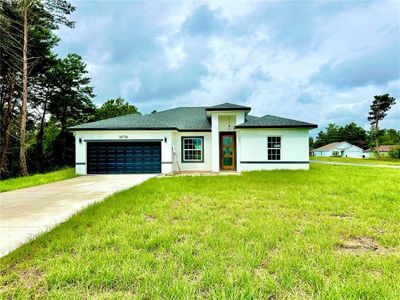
(183,149)
(280,148)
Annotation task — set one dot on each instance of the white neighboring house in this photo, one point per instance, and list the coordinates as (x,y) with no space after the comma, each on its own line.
(343,149)
(217,138)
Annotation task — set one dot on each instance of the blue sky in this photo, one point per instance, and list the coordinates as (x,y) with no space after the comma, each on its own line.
(319,61)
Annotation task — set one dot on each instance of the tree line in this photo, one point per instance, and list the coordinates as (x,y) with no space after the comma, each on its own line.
(356,135)
(42,94)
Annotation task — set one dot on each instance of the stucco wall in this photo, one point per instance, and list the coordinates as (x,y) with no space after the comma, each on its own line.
(185,166)
(323,153)
(254,155)
(251,148)
(353,152)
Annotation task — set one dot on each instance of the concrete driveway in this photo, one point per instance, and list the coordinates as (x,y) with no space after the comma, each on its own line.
(27,212)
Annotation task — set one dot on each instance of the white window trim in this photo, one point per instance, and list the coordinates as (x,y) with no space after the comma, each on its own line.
(280,148)
(183,160)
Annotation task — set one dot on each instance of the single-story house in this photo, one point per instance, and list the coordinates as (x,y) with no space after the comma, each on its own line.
(343,149)
(383,150)
(217,138)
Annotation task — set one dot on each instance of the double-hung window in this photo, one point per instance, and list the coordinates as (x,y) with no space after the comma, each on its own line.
(274,148)
(192,149)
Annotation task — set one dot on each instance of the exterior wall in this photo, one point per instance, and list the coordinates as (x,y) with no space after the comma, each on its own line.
(354,151)
(251,146)
(224,121)
(123,135)
(373,153)
(254,153)
(219,122)
(322,153)
(214,143)
(177,152)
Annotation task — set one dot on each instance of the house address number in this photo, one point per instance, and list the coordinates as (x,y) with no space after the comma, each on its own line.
(123,136)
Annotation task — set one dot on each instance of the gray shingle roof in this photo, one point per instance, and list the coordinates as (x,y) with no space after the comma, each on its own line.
(185,119)
(328,147)
(132,121)
(227,106)
(181,118)
(269,121)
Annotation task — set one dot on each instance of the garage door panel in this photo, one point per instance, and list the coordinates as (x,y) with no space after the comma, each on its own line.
(124,157)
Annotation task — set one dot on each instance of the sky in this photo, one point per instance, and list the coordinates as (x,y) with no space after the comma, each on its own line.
(320,62)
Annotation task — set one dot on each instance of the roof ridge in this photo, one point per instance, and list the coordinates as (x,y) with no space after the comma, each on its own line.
(175,108)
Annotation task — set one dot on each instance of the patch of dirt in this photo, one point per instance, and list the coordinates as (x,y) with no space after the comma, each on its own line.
(261,269)
(379,230)
(176,204)
(341,216)
(31,277)
(362,245)
(149,218)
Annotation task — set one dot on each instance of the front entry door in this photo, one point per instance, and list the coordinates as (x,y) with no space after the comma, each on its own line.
(227,151)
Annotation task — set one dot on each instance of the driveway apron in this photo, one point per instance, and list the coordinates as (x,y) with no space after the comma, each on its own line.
(25,213)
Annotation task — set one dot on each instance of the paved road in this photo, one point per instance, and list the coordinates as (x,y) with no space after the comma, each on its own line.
(351,164)
(25,213)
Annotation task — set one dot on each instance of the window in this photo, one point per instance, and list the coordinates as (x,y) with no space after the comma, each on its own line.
(192,149)
(274,148)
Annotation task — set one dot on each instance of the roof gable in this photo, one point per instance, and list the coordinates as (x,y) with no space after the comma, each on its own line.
(328,147)
(336,146)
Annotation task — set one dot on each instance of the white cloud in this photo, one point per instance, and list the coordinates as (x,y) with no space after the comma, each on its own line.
(268,55)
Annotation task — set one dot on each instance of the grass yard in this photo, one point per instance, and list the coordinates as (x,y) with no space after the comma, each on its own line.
(373,161)
(37,179)
(331,232)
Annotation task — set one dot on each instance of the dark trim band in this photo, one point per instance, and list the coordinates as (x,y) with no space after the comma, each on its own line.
(275,162)
(228,109)
(194,130)
(80,163)
(276,126)
(124,140)
(167,162)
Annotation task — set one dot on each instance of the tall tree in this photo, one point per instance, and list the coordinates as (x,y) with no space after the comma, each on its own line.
(26,39)
(70,103)
(379,107)
(114,108)
(22,123)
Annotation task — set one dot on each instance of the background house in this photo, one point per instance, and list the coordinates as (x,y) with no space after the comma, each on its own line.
(343,149)
(383,150)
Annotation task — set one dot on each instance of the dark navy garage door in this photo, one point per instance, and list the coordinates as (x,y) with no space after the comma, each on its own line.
(123,157)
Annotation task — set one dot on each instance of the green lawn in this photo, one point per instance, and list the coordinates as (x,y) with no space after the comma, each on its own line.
(331,232)
(373,161)
(37,179)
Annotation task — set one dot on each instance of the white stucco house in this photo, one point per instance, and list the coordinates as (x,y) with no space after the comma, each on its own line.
(343,149)
(219,138)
